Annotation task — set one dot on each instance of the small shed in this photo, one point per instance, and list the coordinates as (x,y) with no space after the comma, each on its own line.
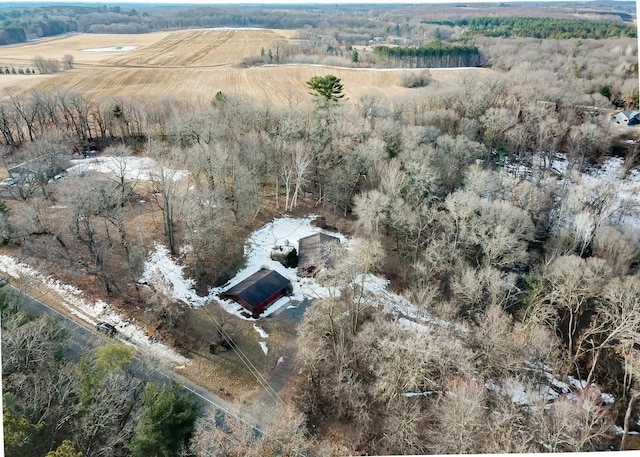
(259,290)
(627,118)
(312,253)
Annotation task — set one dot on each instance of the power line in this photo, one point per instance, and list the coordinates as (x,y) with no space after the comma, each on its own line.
(245,360)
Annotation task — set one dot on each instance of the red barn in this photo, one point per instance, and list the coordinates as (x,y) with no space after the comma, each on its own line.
(259,290)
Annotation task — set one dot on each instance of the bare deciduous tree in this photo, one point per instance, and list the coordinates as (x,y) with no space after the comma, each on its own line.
(579,422)
(460,418)
(573,287)
(615,323)
(489,232)
(282,433)
(67,62)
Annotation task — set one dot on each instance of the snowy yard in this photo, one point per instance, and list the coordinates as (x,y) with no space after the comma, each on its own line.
(131,168)
(167,274)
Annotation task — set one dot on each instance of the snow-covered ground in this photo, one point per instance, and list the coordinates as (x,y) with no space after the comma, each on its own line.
(132,168)
(282,231)
(263,334)
(111,49)
(87,310)
(165,274)
(604,180)
(625,209)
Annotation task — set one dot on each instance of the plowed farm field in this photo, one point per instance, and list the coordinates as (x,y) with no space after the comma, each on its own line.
(189,65)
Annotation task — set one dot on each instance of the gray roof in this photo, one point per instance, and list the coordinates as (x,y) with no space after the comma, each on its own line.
(312,252)
(630,113)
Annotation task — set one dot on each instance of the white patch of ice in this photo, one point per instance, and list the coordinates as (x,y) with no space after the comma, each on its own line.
(409,325)
(607,398)
(280,360)
(161,271)
(522,394)
(418,394)
(132,168)
(264,347)
(559,164)
(262,333)
(562,386)
(617,430)
(577,383)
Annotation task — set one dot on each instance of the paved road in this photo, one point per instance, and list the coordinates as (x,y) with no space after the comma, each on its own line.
(83,340)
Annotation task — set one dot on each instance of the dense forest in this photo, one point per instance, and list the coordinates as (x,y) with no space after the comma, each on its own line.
(433,55)
(475,198)
(542,27)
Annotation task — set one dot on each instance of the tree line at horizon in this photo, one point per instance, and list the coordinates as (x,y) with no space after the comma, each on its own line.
(346,23)
(541,27)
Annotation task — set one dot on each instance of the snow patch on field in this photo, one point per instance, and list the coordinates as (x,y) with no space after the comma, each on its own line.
(89,311)
(165,274)
(111,49)
(132,168)
(264,347)
(260,331)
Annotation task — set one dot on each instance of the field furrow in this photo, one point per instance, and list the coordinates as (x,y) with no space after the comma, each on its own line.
(190,65)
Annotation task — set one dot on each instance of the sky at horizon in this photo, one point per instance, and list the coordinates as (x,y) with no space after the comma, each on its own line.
(273,2)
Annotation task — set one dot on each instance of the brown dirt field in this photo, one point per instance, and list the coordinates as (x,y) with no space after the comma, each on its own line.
(191,65)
